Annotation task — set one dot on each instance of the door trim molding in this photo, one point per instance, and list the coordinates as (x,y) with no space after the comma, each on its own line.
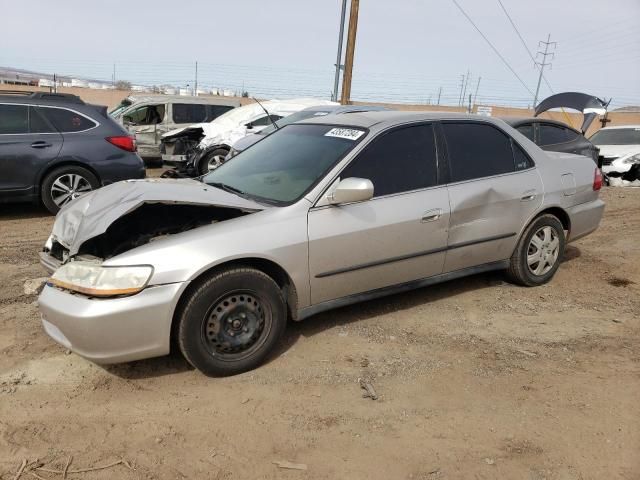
(412,255)
(402,287)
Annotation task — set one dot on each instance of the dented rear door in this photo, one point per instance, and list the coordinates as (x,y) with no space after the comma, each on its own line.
(494,191)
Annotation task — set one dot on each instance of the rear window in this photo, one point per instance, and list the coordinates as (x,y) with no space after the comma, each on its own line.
(526,130)
(551,134)
(197,113)
(67,121)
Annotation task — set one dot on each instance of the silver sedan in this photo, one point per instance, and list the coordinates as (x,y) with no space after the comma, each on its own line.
(321,214)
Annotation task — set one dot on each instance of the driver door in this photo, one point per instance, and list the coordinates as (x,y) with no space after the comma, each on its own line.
(398,236)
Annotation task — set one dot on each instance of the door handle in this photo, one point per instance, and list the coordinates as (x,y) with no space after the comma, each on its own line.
(40,144)
(528,196)
(431,215)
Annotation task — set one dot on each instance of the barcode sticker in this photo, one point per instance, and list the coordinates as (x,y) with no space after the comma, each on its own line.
(346,133)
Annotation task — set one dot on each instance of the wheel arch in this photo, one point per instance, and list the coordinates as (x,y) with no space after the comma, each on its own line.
(64,163)
(267,266)
(557,212)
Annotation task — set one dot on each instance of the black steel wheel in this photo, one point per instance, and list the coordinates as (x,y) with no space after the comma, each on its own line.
(231,321)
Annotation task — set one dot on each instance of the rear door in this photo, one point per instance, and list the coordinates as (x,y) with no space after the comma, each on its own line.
(494,189)
(27,143)
(398,236)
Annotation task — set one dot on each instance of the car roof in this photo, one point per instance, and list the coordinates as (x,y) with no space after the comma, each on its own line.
(213,100)
(368,119)
(345,108)
(617,127)
(41,98)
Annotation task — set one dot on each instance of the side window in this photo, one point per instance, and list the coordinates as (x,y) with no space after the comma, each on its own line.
(526,130)
(147,115)
(264,121)
(550,134)
(521,159)
(477,150)
(398,161)
(214,111)
(66,120)
(37,123)
(189,113)
(14,119)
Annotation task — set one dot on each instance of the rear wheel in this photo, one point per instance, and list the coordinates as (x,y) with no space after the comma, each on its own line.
(539,252)
(231,322)
(212,160)
(64,184)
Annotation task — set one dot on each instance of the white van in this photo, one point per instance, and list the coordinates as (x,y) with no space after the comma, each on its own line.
(148,117)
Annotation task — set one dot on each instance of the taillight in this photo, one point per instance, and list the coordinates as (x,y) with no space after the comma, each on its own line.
(597,180)
(124,142)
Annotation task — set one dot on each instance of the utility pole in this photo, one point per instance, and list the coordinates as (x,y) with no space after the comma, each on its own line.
(469,110)
(461,87)
(195,89)
(113,76)
(351,48)
(339,65)
(439,93)
(475,96)
(466,82)
(543,63)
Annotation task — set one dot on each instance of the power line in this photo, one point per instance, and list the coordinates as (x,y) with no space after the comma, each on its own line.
(492,46)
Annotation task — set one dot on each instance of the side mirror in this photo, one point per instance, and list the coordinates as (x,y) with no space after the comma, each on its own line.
(351,190)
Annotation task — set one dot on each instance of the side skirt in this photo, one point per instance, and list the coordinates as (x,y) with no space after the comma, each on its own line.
(403,287)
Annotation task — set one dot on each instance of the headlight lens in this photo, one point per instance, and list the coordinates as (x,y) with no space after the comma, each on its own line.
(631,160)
(101,281)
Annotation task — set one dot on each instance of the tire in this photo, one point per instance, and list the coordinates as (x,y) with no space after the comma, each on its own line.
(58,189)
(231,321)
(214,157)
(537,257)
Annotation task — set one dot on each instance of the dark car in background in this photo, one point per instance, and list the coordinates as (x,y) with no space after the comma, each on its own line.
(554,136)
(55,148)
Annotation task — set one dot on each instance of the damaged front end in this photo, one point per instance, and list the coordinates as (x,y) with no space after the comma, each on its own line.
(126,215)
(179,149)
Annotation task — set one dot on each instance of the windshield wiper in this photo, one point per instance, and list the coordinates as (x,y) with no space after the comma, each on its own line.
(228,188)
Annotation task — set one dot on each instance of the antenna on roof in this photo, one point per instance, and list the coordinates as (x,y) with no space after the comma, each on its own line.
(275,125)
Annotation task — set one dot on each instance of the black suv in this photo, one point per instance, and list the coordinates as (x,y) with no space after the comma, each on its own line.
(54,148)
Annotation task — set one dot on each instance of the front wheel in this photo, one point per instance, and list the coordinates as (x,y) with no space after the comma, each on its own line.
(231,322)
(539,252)
(211,161)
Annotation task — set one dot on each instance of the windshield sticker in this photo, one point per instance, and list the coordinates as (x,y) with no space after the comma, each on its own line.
(346,133)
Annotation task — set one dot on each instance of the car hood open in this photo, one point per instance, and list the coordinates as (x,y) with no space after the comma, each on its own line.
(92,214)
(589,105)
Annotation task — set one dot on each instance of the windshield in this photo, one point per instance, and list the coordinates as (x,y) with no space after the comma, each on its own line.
(616,136)
(293,118)
(284,166)
(123,105)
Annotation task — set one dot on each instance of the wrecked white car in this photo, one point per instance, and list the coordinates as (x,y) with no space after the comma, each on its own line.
(200,148)
(620,150)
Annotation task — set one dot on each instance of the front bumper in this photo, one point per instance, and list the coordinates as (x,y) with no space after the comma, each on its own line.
(174,159)
(111,330)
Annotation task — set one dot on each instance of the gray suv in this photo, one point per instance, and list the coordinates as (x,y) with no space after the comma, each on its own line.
(55,148)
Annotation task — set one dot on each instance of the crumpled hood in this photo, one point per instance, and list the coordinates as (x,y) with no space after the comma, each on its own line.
(91,214)
(619,151)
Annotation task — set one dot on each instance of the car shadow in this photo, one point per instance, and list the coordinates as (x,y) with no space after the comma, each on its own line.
(16,211)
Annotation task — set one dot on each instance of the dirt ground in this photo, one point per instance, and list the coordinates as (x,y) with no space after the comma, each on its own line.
(477,379)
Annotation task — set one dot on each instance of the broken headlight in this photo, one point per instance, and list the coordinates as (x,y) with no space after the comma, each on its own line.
(100,281)
(632,159)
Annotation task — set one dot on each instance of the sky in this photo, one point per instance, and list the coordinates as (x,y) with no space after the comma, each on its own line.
(406,50)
